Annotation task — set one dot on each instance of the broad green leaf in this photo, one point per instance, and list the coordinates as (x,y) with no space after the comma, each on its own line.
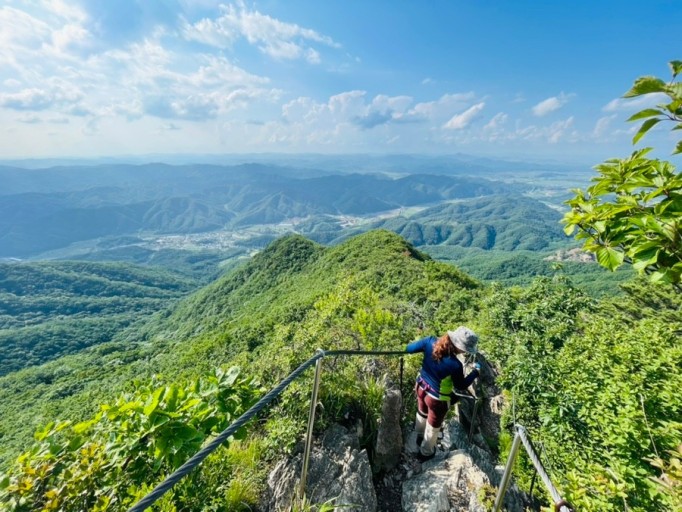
(189,404)
(44,432)
(187,433)
(231,376)
(645,85)
(646,126)
(649,112)
(678,148)
(154,401)
(609,257)
(675,67)
(640,266)
(81,427)
(675,90)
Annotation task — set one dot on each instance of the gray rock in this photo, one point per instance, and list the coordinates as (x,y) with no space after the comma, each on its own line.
(338,471)
(444,485)
(389,443)
(487,420)
(464,479)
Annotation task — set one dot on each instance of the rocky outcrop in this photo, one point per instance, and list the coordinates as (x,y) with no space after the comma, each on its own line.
(461,477)
(389,443)
(338,471)
(576,254)
(449,484)
(489,410)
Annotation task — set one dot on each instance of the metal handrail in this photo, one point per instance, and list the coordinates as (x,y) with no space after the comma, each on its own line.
(198,457)
(521,437)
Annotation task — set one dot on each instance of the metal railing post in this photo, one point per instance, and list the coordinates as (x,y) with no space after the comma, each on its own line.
(506,476)
(311,422)
(473,418)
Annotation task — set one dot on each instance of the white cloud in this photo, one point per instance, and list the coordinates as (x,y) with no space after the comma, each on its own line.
(638,103)
(441,109)
(11,83)
(464,119)
(496,122)
(553,133)
(57,93)
(550,105)
(602,125)
(278,39)
(70,37)
(313,56)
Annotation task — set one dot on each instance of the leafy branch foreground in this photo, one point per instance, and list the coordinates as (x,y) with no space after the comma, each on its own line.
(108,461)
(633,212)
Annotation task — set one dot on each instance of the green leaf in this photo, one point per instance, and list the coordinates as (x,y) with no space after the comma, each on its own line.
(231,376)
(187,433)
(649,112)
(646,126)
(154,401)
(675,67)
(645,85)
(609,257)
(678,148)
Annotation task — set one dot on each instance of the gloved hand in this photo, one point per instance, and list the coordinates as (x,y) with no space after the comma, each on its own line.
(477,366)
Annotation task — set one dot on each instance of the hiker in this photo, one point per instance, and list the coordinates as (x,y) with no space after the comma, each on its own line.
(441,373)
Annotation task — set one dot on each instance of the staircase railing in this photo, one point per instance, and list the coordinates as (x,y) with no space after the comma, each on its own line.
(521,437)
(198,457)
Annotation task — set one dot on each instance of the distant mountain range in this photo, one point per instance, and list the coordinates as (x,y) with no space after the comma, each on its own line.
(46,209)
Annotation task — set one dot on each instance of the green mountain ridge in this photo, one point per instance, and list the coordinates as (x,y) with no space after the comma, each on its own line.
(594,381)
(228,319)
(504,222)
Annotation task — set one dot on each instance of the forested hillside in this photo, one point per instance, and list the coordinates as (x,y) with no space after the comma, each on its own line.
(594,381)
(506,222)
(520,268)
(48,310)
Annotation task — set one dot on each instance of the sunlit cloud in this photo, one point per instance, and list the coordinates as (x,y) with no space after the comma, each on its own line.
(602,125)
(638,103)
(275,38)
(461,121)
(550,105)
(499,120)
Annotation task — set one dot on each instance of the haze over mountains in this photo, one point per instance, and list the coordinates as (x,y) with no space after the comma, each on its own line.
(51,209)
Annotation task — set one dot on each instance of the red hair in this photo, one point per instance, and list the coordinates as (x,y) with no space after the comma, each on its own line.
(443,348)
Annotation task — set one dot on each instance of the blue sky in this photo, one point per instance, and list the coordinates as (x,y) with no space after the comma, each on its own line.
(531,80)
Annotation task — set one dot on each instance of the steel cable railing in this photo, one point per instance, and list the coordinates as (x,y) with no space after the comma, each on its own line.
(198,457)
(521,437)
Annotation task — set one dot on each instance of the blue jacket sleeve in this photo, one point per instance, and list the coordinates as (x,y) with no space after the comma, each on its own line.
(416,346)
(470,378)
(461,382)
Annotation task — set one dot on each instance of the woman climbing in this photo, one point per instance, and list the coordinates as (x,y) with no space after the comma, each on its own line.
(441,373)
